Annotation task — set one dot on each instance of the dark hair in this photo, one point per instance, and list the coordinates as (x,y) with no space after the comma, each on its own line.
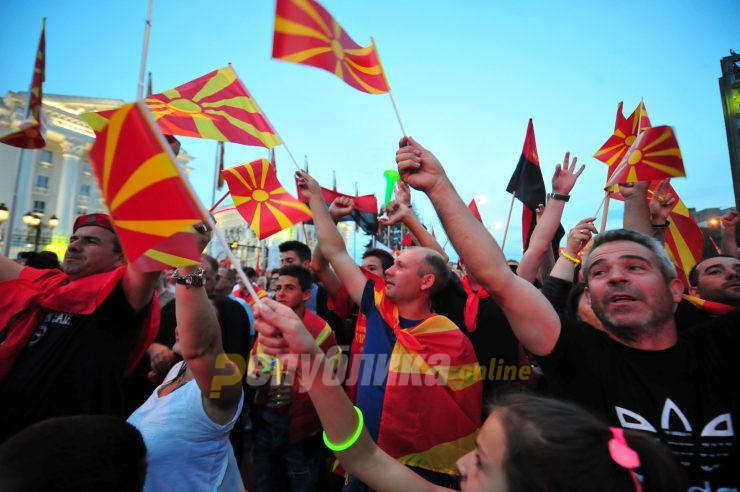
(694,275)
(80,452)
(211,261)
(116,244)
(667,269)
(553,445)
(303,274)
(386,259)
(45,260)
(434,264)
(301,249)
(250,272)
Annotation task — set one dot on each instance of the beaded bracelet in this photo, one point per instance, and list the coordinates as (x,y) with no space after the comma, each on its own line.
(353,438)
(569,257)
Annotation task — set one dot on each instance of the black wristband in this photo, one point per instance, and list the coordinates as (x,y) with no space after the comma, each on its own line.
(661,226)
(195,279)
(558,196)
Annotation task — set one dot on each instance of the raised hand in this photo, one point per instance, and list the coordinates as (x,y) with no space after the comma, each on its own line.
(417,166)
(661,203)
(309,186)
(394,213)
(203,233)
(730,219)
(565,176)
(580,235)
(281,331)
(340,207)
(403,193)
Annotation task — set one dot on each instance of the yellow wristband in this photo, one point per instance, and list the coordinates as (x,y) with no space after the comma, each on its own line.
(570,258)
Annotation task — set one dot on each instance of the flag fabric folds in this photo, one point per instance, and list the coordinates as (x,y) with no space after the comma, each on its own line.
(151,204)
(261,199)
(306,33)
(653,155)
(625,133)
(216,106)
(527,184)
(365,213)
(30,134)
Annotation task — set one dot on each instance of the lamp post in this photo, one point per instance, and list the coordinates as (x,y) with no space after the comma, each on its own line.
(4,213)
(34,220)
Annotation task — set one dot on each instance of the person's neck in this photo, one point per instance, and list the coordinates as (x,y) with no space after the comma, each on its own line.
(223,293)
(418,308)
(300,311)
(663,339)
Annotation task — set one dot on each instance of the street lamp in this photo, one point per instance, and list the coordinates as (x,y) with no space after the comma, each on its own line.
(4,213)
(34,220)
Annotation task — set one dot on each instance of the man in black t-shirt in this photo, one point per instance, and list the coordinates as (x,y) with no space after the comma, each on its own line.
(639,373)
(66,350)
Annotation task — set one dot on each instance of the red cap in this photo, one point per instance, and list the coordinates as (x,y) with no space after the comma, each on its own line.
(100,220)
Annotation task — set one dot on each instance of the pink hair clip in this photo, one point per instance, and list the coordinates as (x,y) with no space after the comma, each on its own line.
(623,455)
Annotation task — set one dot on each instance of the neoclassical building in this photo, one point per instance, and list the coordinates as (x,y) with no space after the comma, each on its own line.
(56,180)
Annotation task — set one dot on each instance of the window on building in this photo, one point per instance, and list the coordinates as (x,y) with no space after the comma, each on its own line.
(39,206)
(46,157)
(86,168)
(42,182)
(85,190)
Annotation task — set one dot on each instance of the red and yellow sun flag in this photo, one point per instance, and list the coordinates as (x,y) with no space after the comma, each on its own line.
(152,207)
(30,133)
(653,155)
(306,33)
(216,106)
(625,133)
(261,199)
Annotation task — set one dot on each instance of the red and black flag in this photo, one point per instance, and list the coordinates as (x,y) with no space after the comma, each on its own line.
(365,213)
(527,184)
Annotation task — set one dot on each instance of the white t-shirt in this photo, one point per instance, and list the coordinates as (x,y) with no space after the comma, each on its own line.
(186,450)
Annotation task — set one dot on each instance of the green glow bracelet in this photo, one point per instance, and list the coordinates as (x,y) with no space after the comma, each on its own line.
(353,438)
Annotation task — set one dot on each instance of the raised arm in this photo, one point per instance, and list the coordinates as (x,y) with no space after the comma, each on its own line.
(9,270)
(330,241)
(340,207)
(531,316)
(660,206)
(281,331)
(563,180)
(636,209)
(199,336)
(729,226)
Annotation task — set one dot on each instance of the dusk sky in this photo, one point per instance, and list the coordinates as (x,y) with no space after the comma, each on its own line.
(466,77)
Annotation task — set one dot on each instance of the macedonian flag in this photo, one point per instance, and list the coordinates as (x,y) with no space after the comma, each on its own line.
(261,199)
(216,106)
(625,133)
(152,207)
(653,155)
(306,33)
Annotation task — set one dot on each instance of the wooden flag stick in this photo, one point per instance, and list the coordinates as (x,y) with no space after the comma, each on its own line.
(230,255)
(606,212)
(601,204)
(398,116)
(508,220)
(219,201)
(393,102)
(142,69)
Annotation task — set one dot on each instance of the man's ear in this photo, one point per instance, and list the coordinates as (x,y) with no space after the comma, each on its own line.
(306,295)
(121,260)
(427,281)
(676,288)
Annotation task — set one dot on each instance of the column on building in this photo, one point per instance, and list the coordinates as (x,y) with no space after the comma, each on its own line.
(68,184)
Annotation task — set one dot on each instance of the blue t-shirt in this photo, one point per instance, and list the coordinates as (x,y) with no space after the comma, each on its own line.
(379,343)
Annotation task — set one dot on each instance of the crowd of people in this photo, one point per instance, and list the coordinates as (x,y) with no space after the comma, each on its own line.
(589,367)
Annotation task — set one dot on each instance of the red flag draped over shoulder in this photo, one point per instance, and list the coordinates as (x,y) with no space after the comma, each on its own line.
(30,135)
(306,33)
(24,301)
(261,199)
(152,207)
(438,355)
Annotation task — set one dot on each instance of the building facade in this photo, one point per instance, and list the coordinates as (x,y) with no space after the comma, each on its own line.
(729,88)
(54,181)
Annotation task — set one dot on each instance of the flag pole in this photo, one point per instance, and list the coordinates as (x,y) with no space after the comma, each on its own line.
(219,202)
(390,94)
(604,215)
(230,255)
(13,207)
(508,219)
(142,71)
(215,178)
(603,200)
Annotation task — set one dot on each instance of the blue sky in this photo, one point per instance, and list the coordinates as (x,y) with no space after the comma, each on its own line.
(466,77)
